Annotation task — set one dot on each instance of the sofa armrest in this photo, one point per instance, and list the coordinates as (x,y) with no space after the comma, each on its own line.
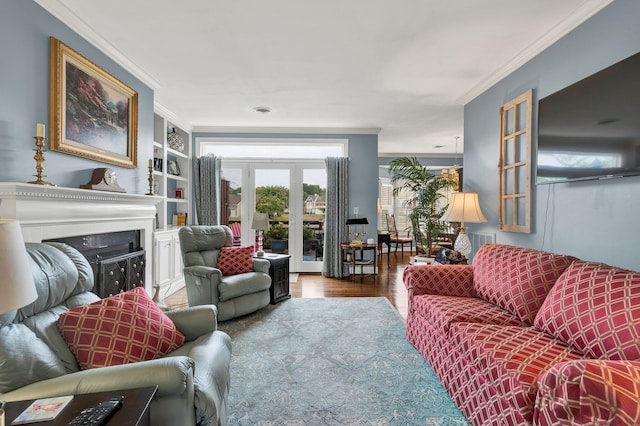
(589,392)
(446,280)
(172,375)
(261,265)
(202,285)
(195,321)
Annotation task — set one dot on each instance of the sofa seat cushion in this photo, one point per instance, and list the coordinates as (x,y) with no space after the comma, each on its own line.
(511,358)
(442,311)
(120,329)
(516,279)
(596,309)
(233,286)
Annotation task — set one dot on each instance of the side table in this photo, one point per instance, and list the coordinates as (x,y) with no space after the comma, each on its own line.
(353,255)
(133,412)
(385,237)
(279,273)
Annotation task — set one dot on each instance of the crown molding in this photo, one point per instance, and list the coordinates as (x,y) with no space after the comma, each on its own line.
(289,130)
(415,154)
(580,15)
(73,21)
(170,116)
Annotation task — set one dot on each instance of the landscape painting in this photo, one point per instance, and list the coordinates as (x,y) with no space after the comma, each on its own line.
(93,115)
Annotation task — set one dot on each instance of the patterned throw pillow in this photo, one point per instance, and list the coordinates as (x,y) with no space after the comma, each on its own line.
(120,329)
(595,308)
(235,260)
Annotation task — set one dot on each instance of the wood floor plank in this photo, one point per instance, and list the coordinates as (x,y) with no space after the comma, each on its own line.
(388,283)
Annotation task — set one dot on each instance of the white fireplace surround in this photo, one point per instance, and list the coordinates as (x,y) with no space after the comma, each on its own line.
(47,212)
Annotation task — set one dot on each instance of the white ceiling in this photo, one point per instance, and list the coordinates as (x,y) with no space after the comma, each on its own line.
(404,67)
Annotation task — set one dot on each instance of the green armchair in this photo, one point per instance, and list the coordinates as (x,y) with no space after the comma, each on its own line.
(234,295)
(192,380)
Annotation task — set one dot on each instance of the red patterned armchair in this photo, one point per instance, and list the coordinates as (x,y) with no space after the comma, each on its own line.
(525,337)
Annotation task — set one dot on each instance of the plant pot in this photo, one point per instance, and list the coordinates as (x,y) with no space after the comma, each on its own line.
(279,246)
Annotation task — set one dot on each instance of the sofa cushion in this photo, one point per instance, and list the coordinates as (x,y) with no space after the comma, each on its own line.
(596,309)
(442,311)
(235,260)
(233,286)
(511,358)
(516,279)
(25,358)
(120,329)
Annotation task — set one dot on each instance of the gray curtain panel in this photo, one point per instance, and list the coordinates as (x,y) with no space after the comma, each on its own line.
(206,189)
(336,214)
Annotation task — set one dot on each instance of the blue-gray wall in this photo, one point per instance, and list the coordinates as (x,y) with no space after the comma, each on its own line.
(593,220)
(25,28)
(436,162)
(363,164)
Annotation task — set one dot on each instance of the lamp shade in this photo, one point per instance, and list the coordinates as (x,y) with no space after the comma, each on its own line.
(17,288)
(260,221)
(464,207)
(358,221)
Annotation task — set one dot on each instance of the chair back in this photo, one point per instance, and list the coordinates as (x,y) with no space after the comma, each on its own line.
(391,224)
(200,245)
(236,230)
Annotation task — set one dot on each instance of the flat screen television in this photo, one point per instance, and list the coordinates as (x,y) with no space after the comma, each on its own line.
(591,129)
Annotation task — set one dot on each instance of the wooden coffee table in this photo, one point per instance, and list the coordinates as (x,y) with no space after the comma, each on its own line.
(133,412)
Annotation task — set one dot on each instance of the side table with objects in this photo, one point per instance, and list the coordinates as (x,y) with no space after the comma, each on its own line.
(133,411)
(354,256)
(279,273)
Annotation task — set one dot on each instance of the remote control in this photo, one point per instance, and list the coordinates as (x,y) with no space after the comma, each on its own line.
(97,414)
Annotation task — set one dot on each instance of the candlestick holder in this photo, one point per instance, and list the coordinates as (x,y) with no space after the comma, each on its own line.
(39,157)
(150,181)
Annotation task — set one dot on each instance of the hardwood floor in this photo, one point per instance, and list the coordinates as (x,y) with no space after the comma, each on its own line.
(388,283)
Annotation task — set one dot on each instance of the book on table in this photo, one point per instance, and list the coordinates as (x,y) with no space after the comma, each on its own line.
(42,410)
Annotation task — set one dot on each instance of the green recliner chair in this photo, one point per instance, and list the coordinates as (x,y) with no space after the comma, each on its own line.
(193,380)
(234,295)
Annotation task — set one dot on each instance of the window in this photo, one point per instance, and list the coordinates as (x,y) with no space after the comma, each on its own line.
(515,164)
(279,149)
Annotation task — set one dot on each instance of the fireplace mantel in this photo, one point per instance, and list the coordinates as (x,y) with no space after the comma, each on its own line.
(47,212)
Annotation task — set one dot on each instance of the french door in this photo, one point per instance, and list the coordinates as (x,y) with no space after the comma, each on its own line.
(293,194)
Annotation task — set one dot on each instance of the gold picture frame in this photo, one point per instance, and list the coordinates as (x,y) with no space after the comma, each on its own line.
(91,113)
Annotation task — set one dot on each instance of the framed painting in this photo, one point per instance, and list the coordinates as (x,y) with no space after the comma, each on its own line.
(92,114)
(173,168)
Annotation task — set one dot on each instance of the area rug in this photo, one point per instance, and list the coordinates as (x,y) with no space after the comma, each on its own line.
(331,361)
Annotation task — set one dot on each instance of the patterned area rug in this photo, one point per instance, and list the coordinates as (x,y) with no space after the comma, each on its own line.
(333,361)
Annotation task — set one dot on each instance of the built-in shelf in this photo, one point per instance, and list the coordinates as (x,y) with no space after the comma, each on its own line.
(165,183)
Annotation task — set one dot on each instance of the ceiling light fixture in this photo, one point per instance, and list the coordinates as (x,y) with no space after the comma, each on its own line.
(262,109)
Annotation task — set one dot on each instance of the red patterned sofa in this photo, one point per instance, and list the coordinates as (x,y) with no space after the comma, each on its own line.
(526,337)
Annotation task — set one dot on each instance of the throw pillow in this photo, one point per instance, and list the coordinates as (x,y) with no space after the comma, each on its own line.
(120,329)
(235,260)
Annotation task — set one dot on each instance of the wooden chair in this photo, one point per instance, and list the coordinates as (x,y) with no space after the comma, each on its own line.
(236,230)
(396,238)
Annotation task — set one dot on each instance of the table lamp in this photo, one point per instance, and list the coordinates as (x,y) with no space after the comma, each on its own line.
(463,207)
(17,288)
(260,223)
(357,222)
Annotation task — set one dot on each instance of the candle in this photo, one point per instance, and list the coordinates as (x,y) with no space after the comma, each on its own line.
(150,162)
(40,130)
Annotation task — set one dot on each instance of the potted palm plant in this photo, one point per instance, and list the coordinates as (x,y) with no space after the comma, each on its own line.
(425,205)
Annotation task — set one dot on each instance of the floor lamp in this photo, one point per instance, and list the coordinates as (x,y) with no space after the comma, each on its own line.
(463,207)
